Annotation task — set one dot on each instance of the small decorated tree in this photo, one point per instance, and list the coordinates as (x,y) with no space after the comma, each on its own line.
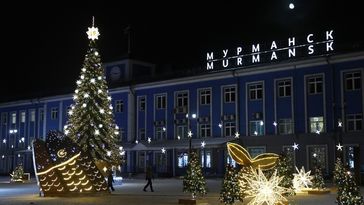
(285,169)
(339,172)
(348,191)
(318,180)
(18,174)
(194,182)
(244,173)
(230,191)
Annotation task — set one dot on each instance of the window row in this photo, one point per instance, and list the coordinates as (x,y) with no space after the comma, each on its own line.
(22,118)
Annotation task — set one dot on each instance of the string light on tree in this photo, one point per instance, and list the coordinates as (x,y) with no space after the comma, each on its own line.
(291,6)
(178,137)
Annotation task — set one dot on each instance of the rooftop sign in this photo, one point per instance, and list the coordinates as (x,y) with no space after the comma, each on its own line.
(247,55)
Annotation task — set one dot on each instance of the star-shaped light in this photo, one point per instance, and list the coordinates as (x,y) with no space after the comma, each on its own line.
(261,123)
(136,141)
(178,137)
(339,124)
(237,135)
(164,128)
(149,140)
(314,155)
(339,147)
(4,141)
(263,190)
(29,147)
(255,133)
(295,146)
(163,150)
(275,124)
(318,132)
(93,33)
(190,134)
(301,179)
(220,125)
(203,143)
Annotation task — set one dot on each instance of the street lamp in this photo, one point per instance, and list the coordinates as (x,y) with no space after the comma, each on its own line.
(13,132)
(193,116)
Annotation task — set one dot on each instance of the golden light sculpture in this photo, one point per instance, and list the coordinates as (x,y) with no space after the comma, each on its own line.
(263,191)
(301,180)
(263,161)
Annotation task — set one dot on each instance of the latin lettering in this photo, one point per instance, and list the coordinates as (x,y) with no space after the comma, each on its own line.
(238,50)
(310,49)
(329,46)
(239,61)
(329,35)
(210,66)
(225,63)
(274,56)
(291,41)
(291,52)
(255,58)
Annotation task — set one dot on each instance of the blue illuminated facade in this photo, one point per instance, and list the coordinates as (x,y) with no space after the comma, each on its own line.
(314,102)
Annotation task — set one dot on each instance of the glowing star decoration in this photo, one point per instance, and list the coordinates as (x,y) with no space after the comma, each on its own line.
(241,156)
(220,125)
(189,134)
(149,140)
(163,150)
(301,179)
(339,147)
(339,124)
(164,129)
(275,124)
(4,141)
(178,137)
(295,146)
(136,141)
(203,143)
(264,191)
(237,135)
(318,132)
(255,133)
(93,33)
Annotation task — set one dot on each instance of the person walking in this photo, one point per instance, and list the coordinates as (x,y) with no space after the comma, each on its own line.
(149,176)
(110,180)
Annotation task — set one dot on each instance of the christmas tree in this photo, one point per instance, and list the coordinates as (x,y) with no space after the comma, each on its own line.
(244,173)
(91,122)
(318,180)
(285,169)
(194,182)
(348,191)
(230,188)
(18,174)
(339,172)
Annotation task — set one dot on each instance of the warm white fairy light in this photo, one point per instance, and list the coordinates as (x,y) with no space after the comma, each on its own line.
(108,153)
(70,112)
(96,53)
(76,91)
(86,95)
(78,82)
(99,91)
(84,105)
(116,132)
(110,107)
(109,98)
(237,135)
(82,77)
(92,80)
(301,179)
(83,69)
(66,132)
(75,97)
(97,132)
(102,111)
(100,125)
(116,127)
(99,78)
(264,191)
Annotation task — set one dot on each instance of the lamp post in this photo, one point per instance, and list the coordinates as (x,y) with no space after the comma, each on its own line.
(193,116)
(12,132)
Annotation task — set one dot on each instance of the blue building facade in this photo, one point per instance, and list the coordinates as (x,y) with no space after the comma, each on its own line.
(314,102)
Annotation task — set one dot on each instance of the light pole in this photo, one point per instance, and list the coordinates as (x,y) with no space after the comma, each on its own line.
(12,132)
(193,116)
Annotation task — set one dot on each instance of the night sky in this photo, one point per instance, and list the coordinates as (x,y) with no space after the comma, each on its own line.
(44,46)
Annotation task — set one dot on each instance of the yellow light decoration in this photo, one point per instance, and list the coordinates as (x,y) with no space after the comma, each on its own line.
(88,189)
(264,191)
(47,189)
(72,163)
(70,184)
(301,180)
(82,178)
(61,189)
(241,156)
(79,173)
(58,165)
(57,185)
(73,189)
(50,184)
(42,179)
(78,183)
(83,184)
(67,178)
(53,180)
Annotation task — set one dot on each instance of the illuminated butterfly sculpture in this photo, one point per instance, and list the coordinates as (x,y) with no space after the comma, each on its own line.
(241,156)
(62,168)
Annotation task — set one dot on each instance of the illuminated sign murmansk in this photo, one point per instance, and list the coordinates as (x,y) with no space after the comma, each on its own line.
(247,55)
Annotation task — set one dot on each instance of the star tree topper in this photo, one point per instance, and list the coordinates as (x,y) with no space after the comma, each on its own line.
(93,32)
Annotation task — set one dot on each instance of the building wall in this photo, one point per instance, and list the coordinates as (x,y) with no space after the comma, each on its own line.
(140,119)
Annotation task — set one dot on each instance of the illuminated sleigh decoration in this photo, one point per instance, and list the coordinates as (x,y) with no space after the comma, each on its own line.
(263,161)
(61,167)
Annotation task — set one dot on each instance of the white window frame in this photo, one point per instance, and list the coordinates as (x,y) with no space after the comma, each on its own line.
(229,94)
(161,101)
(257,124)
(351,76)
(13,118)
(23,117)
(142,103)
(229,127)
(205,130)
(182,99)
(54,113)
(256,88)
(285,85)
(317,122)
(354,118)
(208,152)
(119,106)
(315,81)
(182,160)
(284,125)
(184,129)
(160,134)
(32,116)
(205,96)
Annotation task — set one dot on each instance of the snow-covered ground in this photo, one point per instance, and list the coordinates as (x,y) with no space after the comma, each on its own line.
(166,191)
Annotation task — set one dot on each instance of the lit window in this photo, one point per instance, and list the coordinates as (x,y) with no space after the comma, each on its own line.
(284,88)
(256,128)
(208,159)
(315,85)
(255,151)
(353,81)
(182,160)
(205,97)
(354,122)
(230,161)
(22,117)
(256,91)
(182,131)
(229,94)
(13,118)
(317,124)
(32,116)
(317,155)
